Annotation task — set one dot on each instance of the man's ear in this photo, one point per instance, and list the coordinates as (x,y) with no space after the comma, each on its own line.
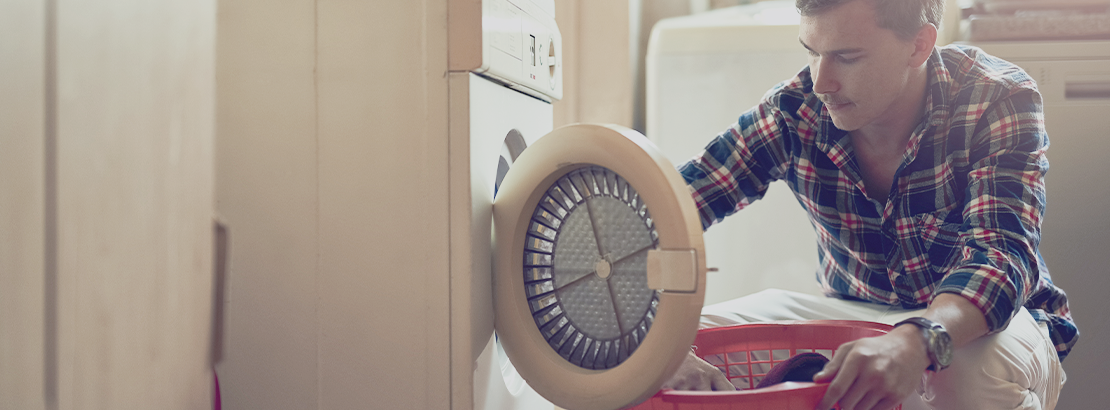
(923,44)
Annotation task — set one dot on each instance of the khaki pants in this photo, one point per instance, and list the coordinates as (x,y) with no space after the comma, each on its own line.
(1014,369)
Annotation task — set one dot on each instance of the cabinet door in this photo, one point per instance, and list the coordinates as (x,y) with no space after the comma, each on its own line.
(21,204)
(111,194)
(134,134)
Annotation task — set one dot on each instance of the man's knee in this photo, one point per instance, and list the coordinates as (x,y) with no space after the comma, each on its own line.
(1014,369)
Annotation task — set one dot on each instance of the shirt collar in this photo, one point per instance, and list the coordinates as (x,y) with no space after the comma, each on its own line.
(940,91)
(938,98)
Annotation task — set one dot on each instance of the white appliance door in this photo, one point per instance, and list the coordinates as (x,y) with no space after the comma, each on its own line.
(1073,242)
(1076,98)
(599,267)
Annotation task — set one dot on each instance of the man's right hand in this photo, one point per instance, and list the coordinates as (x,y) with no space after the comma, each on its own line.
(697,374)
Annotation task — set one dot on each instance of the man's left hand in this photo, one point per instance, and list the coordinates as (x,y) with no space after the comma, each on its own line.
(875,373)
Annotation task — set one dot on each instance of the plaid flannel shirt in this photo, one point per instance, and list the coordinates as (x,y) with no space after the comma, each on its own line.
(963,215)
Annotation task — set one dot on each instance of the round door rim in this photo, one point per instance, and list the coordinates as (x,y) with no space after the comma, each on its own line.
(634,158)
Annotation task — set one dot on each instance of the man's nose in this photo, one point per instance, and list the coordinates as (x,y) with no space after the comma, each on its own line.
(824,77)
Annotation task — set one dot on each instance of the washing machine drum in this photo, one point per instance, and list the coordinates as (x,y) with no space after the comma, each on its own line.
(599,267)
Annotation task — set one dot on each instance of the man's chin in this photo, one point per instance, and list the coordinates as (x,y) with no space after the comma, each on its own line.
(844,124)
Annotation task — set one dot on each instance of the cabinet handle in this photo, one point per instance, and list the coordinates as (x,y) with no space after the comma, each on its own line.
(1087,90)
(219,284)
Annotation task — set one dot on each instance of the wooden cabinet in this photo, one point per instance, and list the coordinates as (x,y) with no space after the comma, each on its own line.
(107,164)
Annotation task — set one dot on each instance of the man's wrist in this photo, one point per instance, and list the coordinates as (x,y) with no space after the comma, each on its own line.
(937,341)
(911,336)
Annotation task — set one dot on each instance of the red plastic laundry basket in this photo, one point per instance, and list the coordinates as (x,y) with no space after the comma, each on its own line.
(745,353)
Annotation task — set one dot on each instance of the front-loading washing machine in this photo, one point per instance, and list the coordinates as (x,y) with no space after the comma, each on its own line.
(581,246)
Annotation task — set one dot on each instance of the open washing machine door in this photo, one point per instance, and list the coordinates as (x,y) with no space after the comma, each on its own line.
(599,267)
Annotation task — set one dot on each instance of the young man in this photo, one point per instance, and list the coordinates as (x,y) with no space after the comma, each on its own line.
(922,170)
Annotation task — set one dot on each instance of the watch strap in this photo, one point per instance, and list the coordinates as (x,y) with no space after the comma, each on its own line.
(922,323)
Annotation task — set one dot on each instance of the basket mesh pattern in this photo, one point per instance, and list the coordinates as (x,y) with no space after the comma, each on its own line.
(745,369)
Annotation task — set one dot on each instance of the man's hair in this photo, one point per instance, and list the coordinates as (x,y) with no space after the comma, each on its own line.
(903,17)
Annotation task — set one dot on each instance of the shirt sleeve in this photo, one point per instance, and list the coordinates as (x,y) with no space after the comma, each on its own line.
(1005,203)
(739,164)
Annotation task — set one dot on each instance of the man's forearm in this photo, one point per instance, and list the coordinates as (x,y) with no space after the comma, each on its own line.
(963,321)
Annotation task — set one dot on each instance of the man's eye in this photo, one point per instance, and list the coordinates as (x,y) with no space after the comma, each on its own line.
(848,60)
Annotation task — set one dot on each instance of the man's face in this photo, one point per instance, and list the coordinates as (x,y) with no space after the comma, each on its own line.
(859,69)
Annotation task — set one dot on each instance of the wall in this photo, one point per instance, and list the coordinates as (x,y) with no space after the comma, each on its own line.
(598,73)
(332,177)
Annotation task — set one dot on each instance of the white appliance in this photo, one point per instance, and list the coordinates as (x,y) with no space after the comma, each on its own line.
(1074,80)
(500,96)
(703,71)
(598,273)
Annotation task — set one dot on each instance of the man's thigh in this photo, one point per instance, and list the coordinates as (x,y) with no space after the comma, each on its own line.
(775,304)
(1014,369)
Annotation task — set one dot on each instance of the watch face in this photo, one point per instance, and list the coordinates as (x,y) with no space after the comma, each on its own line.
(943,348)
(585,268)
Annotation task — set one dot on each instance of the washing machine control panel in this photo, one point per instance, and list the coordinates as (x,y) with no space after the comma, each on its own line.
(521,47)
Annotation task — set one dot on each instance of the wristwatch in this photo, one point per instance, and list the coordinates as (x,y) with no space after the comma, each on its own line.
(938,343)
